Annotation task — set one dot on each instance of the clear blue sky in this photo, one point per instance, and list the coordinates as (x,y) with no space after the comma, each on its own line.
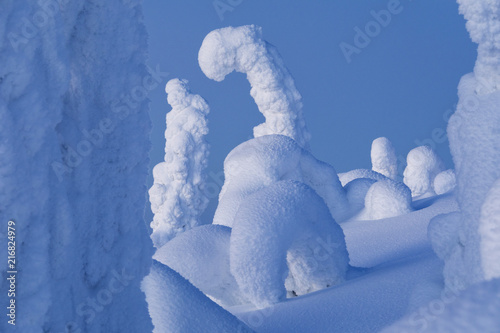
(402,85)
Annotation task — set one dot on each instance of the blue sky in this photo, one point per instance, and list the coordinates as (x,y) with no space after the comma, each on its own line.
(402,84)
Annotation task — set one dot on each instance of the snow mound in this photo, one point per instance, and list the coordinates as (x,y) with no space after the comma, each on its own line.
(476,310)
(443,232)
(387,198)
(349,176)
(175,305)
(356,193)
(285,232)
(489,232)
(444,182)
(262,161)
(242,49)
(177,196)
(423,165)
(201,255)
(383,156)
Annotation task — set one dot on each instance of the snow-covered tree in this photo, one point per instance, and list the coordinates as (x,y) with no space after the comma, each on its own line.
(423,165)
(383,156)
(242,49)
(177,196)
(474,135)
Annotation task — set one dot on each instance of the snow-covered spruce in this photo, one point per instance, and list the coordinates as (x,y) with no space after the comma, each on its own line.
(175,305)
(356,193)
(383,156)
(285,232)
(262,161)
(423,165)
(201,255)
(473,132)
(443,232)
(347,177)
(74,163)
(444,182)
(489,232)
(387,198)
(177,196)
(242,49)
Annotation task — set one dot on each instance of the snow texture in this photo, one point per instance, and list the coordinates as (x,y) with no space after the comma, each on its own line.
(445,182)
(177,306)
(383,156)
(201,255)
(262,161)
(473,132)
(423,165)
(476,310)
(489,232)
(177,196)
(387,198)
(356,193)
(74,141)
(349,176)
(285,232)
(443,233)
(242,49)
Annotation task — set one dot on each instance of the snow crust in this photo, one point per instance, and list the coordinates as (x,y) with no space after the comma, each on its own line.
(265,160)
(423,165)
(285,232)
(444,182)
(74,164)
(242,49)
(201,255)
(387,198)
(177,196)
(349,176)
(384,159)
(175,305)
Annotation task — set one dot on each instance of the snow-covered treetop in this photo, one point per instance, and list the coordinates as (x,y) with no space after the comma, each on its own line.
(242,49)
(483,24)
(384,158)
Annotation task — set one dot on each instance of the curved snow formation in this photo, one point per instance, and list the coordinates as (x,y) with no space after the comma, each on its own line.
(201,255)
(349,176)
(444,182)
(175,305)
(285,232)
(473,132)
(387,198)
(489,232)
(356,193)
(177,196)
(262,161)
(383,156)
(423,165)
(242,49)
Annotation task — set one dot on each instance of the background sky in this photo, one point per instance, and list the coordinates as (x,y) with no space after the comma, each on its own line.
(402,85)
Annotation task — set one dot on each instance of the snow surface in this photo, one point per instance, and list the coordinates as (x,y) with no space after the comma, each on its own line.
(489,232)
(242,49)
(423,165)
(201,255)
(387,198)
(177,196)
(347,177)
(445,182)
(74,141)
(285,231)
(175,305)
(383,156)
(262,161)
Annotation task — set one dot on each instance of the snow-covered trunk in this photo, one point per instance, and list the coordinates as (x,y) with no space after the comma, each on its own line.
(474,134)
(74,142)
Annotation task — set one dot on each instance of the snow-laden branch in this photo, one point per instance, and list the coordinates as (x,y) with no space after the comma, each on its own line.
(242,49)
(177,197)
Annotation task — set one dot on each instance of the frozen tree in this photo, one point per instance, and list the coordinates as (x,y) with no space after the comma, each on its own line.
(175,305)
(384,160)
(284,238)
(387,198)
(423,165)
(262,161)
(347,177)
(444,182)
(242,49)
(74,139)
(473,132)
(489,232)
(177,196)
